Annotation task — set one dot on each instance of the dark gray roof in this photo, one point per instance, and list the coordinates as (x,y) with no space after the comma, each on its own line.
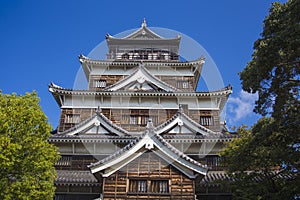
(137,139)
(120,151)
(67,176)
(213,176)
(216,177)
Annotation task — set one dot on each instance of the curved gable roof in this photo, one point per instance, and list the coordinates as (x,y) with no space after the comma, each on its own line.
(141,76)
(150,140)
(97,120)
(180,119)
(143,32)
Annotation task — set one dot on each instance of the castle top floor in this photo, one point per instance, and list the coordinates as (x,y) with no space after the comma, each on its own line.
(158,56)
(143,44)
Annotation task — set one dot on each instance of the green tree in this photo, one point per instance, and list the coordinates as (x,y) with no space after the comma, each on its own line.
(26,158)
(265,160)
(256,160)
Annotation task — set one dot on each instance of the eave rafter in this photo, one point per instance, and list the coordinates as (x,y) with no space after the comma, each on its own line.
(148,63)
(225,92)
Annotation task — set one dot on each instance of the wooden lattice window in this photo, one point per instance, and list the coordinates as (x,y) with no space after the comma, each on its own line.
(148,186)
(213,161)
(183,84)
(138,186)
(72,118)
(160,186)
(207,120)
(99,83)
(139,120)
(139,117)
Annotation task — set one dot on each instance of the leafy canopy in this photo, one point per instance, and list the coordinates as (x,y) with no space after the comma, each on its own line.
(264,161)
(26,158)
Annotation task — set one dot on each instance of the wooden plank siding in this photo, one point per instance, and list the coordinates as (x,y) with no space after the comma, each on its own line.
(178,82)
(121,117)
(84,113)
(110,80)
(148,167)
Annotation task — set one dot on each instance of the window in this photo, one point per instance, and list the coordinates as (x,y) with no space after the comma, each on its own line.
(139,117)
(138,186)
(214,162)
(160,186)
(139,120)
(207,120)
(183,84)
(72,118)
(148,186)
(99,83)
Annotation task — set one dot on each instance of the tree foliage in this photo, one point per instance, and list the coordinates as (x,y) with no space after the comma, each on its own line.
(256,160)
(274,69)
(26,158)
(264,161)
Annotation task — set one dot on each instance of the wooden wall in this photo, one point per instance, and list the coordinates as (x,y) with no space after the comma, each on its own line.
(196,114)
(121,117)
(148,167)
(110,80)
(84,114)
(175,82)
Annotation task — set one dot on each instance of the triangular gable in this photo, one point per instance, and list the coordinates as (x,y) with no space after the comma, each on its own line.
(155,143)
(136,86)
(141,80)
(97,124)
(143,33)
(180,123)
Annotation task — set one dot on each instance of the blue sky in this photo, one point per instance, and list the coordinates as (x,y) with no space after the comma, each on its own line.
(40,40)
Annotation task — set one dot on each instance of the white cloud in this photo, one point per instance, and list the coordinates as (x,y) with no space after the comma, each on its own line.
(240,107)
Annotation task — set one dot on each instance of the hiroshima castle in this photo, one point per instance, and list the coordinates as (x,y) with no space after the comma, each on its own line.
(140,130)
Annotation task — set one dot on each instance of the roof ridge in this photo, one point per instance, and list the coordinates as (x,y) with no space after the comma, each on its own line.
(176,115)
(118,152)
(122,80)
(197,124)
(77,125)
(178,152)
(151,135)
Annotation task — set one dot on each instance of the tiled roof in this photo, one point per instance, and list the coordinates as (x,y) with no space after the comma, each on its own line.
(97,114)
(59,90)
(215,177)
(182,115)
(177,152)
(67,176)
(84,59)
(119,152)
(160,142)
(211,135)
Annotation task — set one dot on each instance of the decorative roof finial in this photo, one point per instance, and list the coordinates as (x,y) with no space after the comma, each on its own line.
(149,124)
(98,110)
(180,109)
(144,24)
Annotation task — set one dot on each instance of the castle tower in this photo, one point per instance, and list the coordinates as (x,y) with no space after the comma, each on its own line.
(140,130)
